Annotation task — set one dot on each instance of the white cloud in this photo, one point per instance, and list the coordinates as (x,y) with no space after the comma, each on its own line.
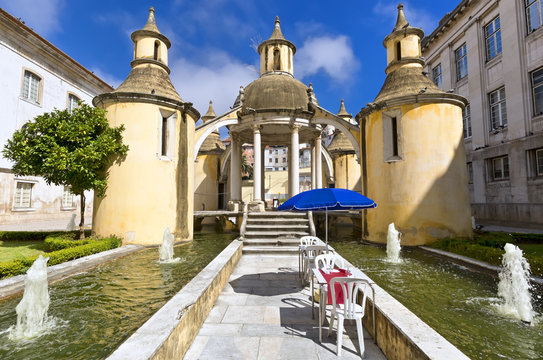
(107,78)
(42,16)
(333,55)
(217,77)
(416,17)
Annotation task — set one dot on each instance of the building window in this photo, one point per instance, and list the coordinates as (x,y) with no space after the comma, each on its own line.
(284,151)
(539,162)
(493,39)
(461,59)
(499,168)
(470,173)
(276,160)
(270,151)
(67,198)
(23,195)
(72,102)
(466,120)
(31,87)
(398,51)
(436,76)
(498,113)
(166,134)
(164,137)
(155,53)
(284,160)
(534,17)
(537,91)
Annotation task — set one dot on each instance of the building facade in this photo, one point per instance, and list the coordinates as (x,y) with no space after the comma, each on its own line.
(36,77)
(491,52)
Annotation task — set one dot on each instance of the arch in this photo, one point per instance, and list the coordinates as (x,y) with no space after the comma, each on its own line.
(203,131)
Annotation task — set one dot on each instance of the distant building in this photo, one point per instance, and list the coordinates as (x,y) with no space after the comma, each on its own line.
(491,52)
(36,77)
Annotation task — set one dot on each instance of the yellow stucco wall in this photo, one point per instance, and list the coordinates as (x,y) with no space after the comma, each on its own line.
(425,194)
(347,172)
(144,194)
(205,182)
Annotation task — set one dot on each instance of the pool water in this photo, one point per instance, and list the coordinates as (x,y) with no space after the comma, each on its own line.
(458,302)
(95,311)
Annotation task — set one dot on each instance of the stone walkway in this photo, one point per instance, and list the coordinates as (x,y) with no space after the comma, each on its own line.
(264,313)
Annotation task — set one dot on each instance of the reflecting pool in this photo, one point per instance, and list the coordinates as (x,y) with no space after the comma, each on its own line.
(459,303)
(95,311)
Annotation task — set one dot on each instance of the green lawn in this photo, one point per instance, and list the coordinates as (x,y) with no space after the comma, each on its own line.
(10,250)
(532,249)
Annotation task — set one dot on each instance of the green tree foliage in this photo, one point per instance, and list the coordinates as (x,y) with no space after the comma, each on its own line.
(71,149)
(246,168)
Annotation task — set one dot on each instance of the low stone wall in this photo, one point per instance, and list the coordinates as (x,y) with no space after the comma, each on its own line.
(400,334)
(525,215)
(169,333)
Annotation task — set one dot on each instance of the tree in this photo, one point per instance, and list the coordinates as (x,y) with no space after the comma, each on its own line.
(71,149)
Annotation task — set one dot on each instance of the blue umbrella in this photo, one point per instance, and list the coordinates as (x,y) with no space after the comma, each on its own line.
(327,199)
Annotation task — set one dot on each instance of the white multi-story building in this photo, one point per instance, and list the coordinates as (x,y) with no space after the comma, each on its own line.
(491,52)
(36,77)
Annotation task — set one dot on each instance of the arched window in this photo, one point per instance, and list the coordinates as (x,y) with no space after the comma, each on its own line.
(398,51)
(155,55)
(276,59)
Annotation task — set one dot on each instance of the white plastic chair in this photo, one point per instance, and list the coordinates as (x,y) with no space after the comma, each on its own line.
(309,255)
(305,241)
(349,310)
(328,261)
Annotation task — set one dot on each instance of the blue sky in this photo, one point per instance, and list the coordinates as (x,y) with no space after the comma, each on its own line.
(339,43)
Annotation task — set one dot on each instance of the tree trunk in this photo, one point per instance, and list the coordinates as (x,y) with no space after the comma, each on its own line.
(82,222)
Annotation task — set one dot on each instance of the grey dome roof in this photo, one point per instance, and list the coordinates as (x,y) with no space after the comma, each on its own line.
(276,91)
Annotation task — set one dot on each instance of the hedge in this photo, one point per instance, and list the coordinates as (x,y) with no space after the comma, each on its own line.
(36,235)
(489,254)
(21,265)
(56,242)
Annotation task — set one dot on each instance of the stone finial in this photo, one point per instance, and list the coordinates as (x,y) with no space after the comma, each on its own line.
(401,22)
(210,114)
(342,111)
(151,22)
(277,34)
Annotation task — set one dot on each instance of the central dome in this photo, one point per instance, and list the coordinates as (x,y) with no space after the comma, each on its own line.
(276,91)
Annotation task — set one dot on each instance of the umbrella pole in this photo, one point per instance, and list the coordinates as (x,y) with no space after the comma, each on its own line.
(326,227)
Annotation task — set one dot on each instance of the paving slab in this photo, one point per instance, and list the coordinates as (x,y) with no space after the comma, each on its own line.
(263,312)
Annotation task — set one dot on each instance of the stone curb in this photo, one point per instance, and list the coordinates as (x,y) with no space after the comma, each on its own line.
(474,262)
(15,284)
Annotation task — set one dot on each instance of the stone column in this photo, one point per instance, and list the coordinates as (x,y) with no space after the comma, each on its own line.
(257,170)
(289,162)
(257,204)
(235,174)
(313,170)
(263,176)
(294,161)
(318,162)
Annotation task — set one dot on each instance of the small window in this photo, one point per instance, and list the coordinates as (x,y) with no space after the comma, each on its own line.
(535,163)
(499,168)
(493,39)
(284,151)
(67,198)
(31,87)
(534,17)
(461,59)
(391,137)
(275,151)
(164,136)
(398,51)
(537,91)
(73,102)
(155,53)
(470,172)
(466,120)
(270,151)
(166,132)
(284,160)
(498,113)
(276,160)
(276,59)
(437,77)
(539,162)
(23,195)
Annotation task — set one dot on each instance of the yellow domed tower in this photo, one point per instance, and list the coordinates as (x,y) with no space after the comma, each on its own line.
(152,188)
(414,163)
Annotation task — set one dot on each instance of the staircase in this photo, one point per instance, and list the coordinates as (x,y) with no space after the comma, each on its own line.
(274,232)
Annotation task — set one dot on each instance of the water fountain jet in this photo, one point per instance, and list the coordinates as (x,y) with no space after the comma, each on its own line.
(514,286)
(166,249)
(393,244)
(32,310)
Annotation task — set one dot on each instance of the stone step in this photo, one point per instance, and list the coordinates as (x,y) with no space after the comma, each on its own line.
(275,250)
(286,233)
(251,227)
(271,242)
(277,214)
(277,220)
